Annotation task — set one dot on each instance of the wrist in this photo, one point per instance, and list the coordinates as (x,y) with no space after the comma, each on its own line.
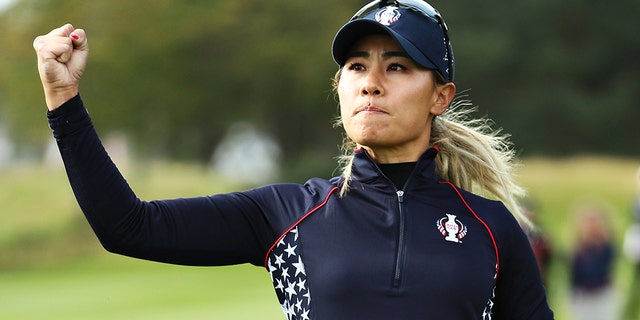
(56,98)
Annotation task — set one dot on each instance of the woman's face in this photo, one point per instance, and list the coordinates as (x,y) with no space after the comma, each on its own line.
(387,101)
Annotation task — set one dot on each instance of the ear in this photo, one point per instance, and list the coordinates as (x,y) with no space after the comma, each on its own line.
(443,96)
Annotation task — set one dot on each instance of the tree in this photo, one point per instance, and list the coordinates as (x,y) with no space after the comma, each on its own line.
(174,75)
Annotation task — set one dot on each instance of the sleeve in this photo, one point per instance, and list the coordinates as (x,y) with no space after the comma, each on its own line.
(209,230)
(520,293)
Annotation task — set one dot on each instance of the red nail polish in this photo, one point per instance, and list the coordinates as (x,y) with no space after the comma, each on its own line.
(75,37)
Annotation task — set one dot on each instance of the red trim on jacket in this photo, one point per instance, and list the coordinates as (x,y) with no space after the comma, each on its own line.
(326,199)
(486,226)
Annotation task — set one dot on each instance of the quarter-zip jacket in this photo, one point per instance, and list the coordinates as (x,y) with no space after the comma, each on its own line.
(428,251)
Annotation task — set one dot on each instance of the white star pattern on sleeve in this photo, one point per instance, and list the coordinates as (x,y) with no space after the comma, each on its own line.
(290,286)
(299,267)
(291,251)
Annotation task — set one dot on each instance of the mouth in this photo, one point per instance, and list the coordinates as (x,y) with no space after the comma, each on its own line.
(369,109)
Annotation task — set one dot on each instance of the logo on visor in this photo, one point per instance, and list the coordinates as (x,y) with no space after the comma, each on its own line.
(388,15)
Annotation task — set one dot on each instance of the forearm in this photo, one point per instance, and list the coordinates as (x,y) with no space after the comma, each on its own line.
(101,191)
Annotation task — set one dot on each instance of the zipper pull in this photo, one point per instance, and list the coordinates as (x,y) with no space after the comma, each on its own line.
(400,194)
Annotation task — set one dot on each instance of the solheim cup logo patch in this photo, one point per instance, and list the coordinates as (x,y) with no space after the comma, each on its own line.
(388,15)
(451,228)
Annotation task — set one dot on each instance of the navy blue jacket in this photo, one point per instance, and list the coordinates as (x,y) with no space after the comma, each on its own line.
(428,251)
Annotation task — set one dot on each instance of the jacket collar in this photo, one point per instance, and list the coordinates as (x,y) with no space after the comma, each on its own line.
(366,171)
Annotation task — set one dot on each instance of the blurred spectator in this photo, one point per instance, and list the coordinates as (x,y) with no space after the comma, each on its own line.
(592,293)
(632,252)
(538,239)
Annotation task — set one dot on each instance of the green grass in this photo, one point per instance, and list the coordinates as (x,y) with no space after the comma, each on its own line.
(52,267)
(114,287)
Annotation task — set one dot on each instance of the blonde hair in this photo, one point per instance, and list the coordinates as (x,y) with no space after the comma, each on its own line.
(471,154)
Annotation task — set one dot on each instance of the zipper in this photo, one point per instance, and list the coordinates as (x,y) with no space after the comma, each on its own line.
(397,274)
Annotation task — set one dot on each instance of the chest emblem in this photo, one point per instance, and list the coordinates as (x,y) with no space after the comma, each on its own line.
(451,228)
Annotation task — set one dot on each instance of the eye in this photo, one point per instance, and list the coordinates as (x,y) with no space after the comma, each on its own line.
(356,66)
(397,67)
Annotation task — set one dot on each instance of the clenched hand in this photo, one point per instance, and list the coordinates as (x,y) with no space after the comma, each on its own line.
(62,57)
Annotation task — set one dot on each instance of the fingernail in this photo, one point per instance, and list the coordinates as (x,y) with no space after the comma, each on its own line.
(75,37)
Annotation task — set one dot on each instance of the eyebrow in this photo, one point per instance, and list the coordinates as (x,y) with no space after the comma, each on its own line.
(385,55)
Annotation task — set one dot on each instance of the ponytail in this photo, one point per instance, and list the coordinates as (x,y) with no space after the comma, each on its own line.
(475,157)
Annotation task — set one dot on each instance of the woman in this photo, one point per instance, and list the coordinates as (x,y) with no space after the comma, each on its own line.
(592,264)
(397,236)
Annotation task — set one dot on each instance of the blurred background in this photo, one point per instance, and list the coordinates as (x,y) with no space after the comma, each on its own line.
(182,91)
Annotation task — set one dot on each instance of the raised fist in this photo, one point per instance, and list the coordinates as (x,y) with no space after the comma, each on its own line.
(62,57)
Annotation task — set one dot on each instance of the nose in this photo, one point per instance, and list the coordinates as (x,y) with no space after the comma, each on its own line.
(372,85)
